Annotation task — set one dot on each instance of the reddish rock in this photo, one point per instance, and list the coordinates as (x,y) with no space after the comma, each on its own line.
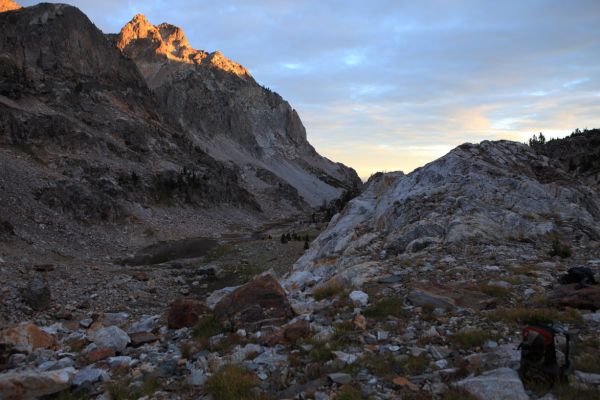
(289,333)
(27,337)
(33,384)
(403,382)
(587,298)
(360,322)
(99,354)
(138,339)
(185,313)
(260,302)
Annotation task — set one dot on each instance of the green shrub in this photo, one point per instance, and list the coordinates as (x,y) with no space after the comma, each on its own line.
(469,339)
(522,315)
(348,392)
(387,306)
(207,327)
(327,291)
(233,382)
(560,249)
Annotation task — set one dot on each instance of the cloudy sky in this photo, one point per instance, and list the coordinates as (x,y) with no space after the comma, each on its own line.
(392,85)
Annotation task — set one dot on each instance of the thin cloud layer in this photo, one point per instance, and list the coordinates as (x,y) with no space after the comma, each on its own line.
(389,85)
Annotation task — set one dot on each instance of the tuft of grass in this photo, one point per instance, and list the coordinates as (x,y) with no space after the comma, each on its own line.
(321,351)
(348,392)
(457,394)
(187,350)
(469,339)
(328,291)
(560,249)
(522,315)
(494,291)
(384,307)
(123,390)
(233,382)
(415,365)
(588,363)
(207,327)
(383,366)
(567,392)
(344,332)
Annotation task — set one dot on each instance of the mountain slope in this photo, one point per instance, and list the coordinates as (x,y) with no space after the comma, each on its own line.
(83,143)
(501,193)
(231,116)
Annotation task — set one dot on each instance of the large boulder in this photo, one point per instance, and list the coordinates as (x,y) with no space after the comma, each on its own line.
(32,384)
(185,313)
(27,337)
(498,384)
(111,338)
(260,302)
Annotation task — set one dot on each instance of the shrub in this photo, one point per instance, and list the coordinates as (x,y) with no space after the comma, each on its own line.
(469,339)
(415,365)
(494,290)
(321,351)
(327,291)
(457,394)
(387,306)
(205,328)
(348,392)
(233,382)
(522,315)
(560,249)
(588,363)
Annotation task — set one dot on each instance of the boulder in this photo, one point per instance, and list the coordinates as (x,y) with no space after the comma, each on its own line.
(185,313)
(145,324)
(90,375)
(340,378)
(586,298)
(140,338)
(259,302)
(289,333)
(27,337)
(37,294)
(498,384)
(422,298)
(112,338)
(31,384)
(359,298)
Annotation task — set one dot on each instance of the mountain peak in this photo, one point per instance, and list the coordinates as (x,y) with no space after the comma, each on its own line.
(139,19)
(8,5)
(140,39)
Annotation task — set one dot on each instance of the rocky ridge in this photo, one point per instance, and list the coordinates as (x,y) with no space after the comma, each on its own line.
(491,193)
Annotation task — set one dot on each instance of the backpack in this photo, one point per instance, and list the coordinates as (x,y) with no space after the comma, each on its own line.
(538,356)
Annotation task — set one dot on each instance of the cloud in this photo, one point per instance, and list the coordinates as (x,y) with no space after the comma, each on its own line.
(390,84)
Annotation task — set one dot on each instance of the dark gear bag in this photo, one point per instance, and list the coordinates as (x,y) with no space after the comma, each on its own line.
(538,356)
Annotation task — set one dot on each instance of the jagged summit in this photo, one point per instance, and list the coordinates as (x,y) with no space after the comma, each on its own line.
(8,5)
(140,39)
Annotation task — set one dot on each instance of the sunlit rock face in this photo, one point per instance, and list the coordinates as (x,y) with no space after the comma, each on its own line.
(233,118)
(147,43)
(8,5)
(488,193)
